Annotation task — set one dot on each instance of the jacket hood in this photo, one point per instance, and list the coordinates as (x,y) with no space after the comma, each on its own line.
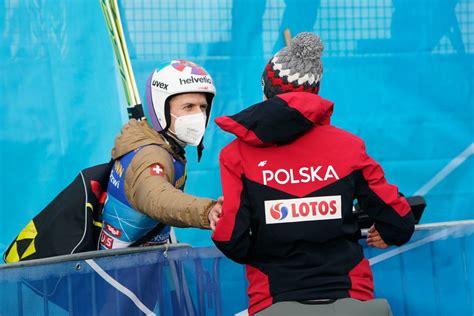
(136,134)
(278,120)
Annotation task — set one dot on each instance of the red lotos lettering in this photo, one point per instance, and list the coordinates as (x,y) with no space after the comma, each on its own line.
(314,209)
(333,207)
(304,209)
(293,210)
(323,208)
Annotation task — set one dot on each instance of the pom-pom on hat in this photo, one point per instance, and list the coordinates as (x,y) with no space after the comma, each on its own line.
(296,67)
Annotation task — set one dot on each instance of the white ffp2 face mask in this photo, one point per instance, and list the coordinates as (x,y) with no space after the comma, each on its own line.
(190,128)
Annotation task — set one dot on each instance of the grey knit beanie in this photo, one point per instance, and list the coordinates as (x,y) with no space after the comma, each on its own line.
(297,67)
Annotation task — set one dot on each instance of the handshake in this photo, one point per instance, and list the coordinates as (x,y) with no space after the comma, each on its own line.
(215,213)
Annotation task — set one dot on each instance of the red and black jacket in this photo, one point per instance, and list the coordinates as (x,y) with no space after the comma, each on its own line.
(289,182)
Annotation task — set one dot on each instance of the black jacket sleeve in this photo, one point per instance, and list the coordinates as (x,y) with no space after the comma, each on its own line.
(390,210)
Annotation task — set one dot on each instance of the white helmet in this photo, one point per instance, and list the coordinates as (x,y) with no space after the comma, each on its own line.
(172,78)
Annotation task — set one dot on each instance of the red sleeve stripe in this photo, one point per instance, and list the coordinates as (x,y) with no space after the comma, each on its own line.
(362,284)
(258,290)
(374,176)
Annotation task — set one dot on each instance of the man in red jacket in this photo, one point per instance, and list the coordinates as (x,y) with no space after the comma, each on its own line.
(289,181)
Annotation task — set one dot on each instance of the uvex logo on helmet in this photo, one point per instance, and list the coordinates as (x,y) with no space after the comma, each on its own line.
(279,211)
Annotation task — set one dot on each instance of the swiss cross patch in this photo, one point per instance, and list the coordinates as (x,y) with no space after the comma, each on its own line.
(157,170)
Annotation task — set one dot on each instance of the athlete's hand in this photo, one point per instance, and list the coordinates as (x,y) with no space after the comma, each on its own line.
(215,213)
(374,239)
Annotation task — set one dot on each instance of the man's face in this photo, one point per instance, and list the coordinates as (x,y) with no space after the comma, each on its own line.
(186,104)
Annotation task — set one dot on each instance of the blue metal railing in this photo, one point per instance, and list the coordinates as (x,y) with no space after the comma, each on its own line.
(431,275)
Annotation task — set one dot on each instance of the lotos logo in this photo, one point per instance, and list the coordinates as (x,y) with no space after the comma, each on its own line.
(278,211)
(303,209)
(183,64)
